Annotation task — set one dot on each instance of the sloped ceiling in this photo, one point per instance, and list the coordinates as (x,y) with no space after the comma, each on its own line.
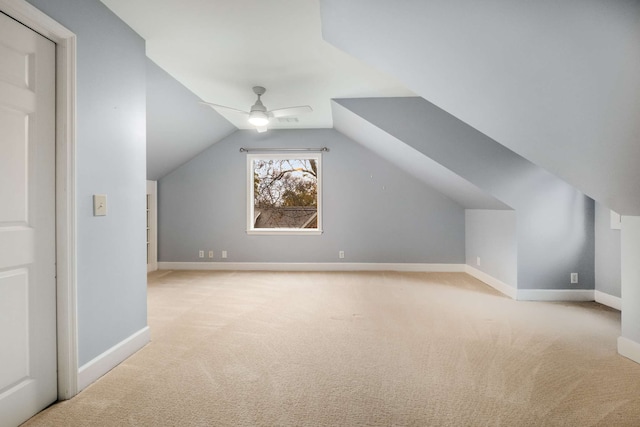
(556,82)
(178,128)
(411,160)
(220,49)
(452,144)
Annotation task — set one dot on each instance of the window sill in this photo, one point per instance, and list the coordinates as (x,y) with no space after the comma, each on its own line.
(284,232)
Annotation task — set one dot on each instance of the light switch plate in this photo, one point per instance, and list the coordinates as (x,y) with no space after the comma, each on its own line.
(99,204)
(616,221)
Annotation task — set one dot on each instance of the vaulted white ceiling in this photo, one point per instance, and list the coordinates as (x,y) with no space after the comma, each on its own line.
(220,49)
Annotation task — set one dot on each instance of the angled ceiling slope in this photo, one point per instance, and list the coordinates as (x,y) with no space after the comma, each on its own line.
(455,146)
(178,127)
(220,49)
(556,82)
(411,160)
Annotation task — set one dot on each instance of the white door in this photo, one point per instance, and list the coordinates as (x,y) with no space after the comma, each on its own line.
(28,379)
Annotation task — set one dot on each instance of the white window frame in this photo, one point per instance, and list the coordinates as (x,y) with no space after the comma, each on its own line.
(250,194)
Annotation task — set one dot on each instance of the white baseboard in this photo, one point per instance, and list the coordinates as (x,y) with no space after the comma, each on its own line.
(629,349)
(94,369)
(548,294)
(608,300)
(498,285)
(555,295)
(508,290)
(152,267)
(313,266)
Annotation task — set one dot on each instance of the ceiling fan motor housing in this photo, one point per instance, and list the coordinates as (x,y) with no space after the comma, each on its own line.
(258,115)
(258,106)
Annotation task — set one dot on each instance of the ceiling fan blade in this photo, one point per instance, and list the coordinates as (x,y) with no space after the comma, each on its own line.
(290,111)
(235,110)
(261,129)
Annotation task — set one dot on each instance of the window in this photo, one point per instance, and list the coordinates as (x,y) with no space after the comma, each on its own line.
(284,193)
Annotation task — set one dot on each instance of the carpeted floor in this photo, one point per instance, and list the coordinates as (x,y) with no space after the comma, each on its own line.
(360,349)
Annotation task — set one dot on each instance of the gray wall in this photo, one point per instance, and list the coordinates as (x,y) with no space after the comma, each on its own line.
(492,236)
(178,126)
(110,160)
(607,259)
(557,82)
(372,210)
(555,221)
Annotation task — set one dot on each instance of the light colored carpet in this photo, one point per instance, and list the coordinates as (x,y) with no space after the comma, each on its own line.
(360,349)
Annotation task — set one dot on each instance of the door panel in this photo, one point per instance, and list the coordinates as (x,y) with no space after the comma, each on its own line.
(13,163)
(28,378)
(14,302)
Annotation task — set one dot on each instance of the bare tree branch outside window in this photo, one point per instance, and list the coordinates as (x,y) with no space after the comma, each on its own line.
(285,193)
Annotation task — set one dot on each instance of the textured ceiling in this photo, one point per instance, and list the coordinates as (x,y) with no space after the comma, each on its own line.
(219,49)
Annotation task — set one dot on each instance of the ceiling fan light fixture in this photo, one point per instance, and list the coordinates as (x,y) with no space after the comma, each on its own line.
(258,118)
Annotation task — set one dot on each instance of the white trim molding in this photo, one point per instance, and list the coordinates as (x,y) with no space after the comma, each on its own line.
(311,266)
(508,290)
(496,284)
(100,365)
(65,41)
(555,295)
(546,294)
(630,287)
(152,226)
(608,300)
(629,349)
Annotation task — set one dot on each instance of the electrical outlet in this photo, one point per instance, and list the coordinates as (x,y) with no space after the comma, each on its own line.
(201,254)
(574,278)
(224,254)
(478,260)
(210,254)
(341,254)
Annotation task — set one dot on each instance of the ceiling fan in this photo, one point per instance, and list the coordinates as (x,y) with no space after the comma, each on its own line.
(259,116)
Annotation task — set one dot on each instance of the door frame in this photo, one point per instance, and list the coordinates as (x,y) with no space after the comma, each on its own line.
(66,278)
(152,225)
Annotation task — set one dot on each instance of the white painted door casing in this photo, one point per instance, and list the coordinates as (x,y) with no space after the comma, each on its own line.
(152,226)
